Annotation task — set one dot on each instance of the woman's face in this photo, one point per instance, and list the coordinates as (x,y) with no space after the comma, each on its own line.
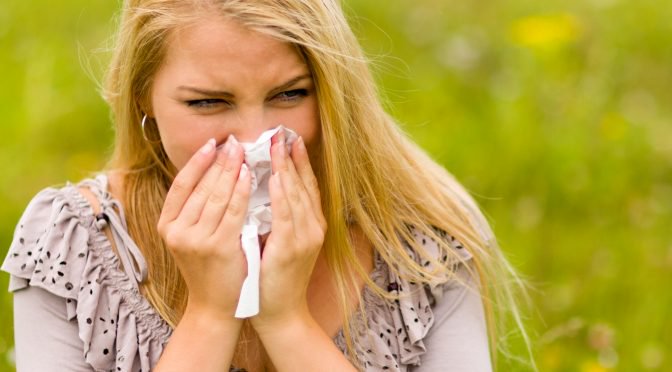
(219,78)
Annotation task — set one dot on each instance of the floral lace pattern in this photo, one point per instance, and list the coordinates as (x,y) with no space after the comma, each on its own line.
(59,245)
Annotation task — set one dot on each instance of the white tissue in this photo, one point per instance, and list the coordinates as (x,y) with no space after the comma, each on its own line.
(258,219)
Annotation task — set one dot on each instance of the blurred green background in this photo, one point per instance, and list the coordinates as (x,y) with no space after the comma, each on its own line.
(556,115)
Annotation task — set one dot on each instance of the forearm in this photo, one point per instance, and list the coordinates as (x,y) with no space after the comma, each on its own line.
(301,345)
(201,343)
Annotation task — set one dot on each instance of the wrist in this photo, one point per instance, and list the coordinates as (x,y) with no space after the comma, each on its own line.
(204,340)
(283,326)
(285,345)
(212,320)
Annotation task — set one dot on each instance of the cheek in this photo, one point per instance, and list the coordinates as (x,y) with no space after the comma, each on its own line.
(179,152)
(180,135)
(306,123)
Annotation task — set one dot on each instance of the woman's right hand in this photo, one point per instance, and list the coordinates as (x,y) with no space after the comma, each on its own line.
(201,222)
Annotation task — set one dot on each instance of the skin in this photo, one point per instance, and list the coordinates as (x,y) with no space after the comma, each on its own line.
(262,82)
(250,90)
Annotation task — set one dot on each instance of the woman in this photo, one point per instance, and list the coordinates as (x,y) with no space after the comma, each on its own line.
(377,259)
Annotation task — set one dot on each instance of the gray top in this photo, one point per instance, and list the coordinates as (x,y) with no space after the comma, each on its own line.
(75,309)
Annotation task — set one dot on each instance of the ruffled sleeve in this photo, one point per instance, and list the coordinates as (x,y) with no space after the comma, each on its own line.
(394,338)
(40,251)
(415,313)
(60,246)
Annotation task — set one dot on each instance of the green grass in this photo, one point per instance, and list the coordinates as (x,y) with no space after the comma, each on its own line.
(554,114)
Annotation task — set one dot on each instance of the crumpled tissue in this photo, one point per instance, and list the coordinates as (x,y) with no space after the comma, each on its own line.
(259,217)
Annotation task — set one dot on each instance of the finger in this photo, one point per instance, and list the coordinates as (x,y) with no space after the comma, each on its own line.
(185,181)
(231,224)
(279,152)
(295,183)
(294,192)
(275,142)
(215,207)
(305,171)
(281,219)
(191,212)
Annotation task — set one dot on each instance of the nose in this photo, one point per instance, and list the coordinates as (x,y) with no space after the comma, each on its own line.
(250,123)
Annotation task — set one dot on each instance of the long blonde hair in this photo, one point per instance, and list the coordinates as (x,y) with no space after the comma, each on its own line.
(370,173)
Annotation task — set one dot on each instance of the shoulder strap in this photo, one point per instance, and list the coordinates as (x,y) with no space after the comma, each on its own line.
(133,261)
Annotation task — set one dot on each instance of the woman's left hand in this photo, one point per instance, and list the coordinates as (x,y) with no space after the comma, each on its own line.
(297,233)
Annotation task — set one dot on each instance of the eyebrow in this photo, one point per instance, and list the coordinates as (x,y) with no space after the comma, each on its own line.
(221,93)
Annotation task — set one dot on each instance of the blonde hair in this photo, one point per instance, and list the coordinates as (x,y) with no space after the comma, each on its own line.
(370,173)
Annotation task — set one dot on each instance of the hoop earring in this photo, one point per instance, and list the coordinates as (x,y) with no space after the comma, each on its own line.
(142,128)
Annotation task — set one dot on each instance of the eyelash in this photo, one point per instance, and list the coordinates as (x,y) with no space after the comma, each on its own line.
(298,93)
(295,95)
(203,103)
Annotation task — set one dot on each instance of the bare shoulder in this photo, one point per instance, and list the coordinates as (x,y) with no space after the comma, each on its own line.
(116,184)
(114,188)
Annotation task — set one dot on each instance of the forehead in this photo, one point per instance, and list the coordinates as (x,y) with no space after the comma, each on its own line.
(220,48)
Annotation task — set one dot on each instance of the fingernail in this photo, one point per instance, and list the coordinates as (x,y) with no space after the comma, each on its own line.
(231,146)
(282,149)
(208,147)
(302,146)
(224,147)
(283,145)
(243,170)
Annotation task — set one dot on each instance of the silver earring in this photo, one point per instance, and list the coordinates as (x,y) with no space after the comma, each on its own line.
(142,125)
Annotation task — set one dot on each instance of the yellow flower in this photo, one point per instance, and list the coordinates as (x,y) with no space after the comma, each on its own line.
(613,127)
(546,31)
(592,366)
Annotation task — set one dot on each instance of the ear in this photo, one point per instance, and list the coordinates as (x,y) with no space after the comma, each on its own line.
(146,108)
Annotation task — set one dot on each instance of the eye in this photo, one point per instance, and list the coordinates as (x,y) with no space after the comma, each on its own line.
(291,95)
(204,103)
